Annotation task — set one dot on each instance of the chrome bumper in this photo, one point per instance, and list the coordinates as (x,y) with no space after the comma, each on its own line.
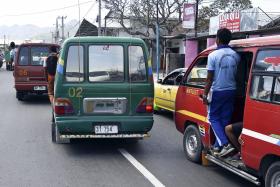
(106,136)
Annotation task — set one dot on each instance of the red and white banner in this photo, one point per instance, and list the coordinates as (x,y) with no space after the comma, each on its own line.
(230,21)
(189,15)
(244,20)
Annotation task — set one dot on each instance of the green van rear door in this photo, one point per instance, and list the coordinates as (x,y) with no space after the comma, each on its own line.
(107,79)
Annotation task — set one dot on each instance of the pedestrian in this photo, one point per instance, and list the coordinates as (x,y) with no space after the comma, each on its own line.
(220,89)
(12,56)
(50,70)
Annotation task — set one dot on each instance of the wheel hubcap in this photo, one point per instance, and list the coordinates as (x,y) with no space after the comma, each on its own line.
(276,179)
(192,143)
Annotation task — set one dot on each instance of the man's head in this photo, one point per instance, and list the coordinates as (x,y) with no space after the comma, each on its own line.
(223,36)
(53,49)
(12,45)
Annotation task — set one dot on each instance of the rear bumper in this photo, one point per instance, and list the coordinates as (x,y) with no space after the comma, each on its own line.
(106,136)
(29,86)
(83,127)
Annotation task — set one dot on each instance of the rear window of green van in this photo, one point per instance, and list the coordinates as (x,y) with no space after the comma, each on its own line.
(137,64)
(75,64)
(106,63)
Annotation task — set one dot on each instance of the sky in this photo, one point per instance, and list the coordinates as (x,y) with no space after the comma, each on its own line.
(44,13)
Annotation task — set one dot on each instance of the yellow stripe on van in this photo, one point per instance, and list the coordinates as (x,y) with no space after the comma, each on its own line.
(193,115)
(150,62)
(61,62)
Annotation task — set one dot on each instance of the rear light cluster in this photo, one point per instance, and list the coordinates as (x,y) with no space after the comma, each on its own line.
(145,105)
(63,106)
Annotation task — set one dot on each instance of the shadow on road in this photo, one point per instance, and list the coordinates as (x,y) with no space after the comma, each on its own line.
(36,100)
(80,147)
(165,114)
(230,176)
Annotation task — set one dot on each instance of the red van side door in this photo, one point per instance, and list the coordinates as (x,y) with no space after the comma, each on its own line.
(189,106)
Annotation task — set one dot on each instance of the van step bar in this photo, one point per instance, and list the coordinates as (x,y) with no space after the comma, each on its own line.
(233,169)
(106,136)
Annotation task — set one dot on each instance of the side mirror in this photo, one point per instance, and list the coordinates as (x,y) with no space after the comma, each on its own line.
(179,79)
(159,81)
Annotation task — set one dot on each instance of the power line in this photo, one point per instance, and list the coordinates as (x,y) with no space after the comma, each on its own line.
(46,11)
(83,17)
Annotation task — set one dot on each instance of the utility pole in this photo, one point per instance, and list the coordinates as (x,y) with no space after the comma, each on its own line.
(196,18)
(62,27)
(52,36)
(4,42)
(56,35)
(99,19)
(157,43)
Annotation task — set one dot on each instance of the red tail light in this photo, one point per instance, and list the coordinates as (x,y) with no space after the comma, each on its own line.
(145,105)
(63,106)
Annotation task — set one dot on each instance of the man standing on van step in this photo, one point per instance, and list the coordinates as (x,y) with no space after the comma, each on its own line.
(50,69)
(220,89)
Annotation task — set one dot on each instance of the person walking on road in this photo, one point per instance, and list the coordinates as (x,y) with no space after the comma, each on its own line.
(220,89)
(50,69)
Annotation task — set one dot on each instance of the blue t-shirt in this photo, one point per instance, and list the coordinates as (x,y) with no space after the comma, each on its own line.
(223,62)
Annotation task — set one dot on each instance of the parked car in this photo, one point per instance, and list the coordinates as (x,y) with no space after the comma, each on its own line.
(29,73)
(166,90)
(257,106)
(103,89)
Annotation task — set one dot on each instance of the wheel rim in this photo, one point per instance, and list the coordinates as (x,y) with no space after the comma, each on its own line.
(275,180)
(191,143)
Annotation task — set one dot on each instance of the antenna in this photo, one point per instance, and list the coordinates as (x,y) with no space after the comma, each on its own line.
(79,37)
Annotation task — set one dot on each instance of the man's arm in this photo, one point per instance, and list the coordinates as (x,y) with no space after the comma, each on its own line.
(208,85)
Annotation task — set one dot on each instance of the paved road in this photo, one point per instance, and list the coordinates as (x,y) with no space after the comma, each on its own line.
(29,158)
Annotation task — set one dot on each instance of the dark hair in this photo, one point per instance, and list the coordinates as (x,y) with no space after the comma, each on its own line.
(12,45)
(53,49)
(224,36)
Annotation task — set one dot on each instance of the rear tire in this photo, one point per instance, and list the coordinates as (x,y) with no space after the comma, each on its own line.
(272,177)
(192,144)
(56,136)
(20,95)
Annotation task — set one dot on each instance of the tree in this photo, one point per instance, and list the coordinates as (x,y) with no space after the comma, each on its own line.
(145,12)
(219,6)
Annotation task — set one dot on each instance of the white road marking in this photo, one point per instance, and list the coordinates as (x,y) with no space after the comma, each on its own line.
(141,168)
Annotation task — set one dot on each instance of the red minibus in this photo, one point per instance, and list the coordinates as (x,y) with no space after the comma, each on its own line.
(29,72)
(257,105)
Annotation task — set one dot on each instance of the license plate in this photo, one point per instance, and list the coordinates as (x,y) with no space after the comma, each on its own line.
(106,129)
(39,88)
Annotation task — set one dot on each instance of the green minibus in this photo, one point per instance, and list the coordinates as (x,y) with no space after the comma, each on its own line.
(103,89)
